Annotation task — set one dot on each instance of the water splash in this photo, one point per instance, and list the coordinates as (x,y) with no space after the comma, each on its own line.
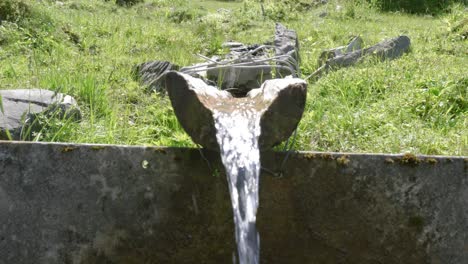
(237,135)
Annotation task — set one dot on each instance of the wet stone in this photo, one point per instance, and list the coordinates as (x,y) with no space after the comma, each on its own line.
(280,103)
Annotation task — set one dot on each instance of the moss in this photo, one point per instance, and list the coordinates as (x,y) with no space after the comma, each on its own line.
(343,160)
(160,150)
(97,147)
(409,158)
(327,156)
(431,161)
(309,156)
(68,149)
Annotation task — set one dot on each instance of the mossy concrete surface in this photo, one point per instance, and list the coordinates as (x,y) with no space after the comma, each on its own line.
(63,203)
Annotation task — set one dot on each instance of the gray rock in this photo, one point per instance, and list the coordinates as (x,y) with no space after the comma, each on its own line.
(386,50)
(242,69)
(194,101)
(254,69)
(390,49)
(22,105)
(245,67)
(287,45)
(224,11)
(151,74)
(232,44)
(243,77)
(353,45)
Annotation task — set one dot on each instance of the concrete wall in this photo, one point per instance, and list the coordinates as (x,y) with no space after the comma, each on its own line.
(113,204)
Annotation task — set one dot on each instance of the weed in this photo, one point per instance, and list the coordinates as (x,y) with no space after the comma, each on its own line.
(67,149)
(431,161)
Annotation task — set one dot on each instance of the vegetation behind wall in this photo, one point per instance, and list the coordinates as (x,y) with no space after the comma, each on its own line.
(87,48)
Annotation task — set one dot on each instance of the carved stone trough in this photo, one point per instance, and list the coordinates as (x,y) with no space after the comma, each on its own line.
(282,102)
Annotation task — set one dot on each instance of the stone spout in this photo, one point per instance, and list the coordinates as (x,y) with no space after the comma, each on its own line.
(280,101)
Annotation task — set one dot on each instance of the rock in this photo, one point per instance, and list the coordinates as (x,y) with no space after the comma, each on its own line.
(22,105)
(353,45)
(224,11)
(287,99)
(282,101)
(255,69)
(196,119)
(151,74)
(242,78)
(244,68)
(232,44)
(286,43)
(386,50)
(390,49)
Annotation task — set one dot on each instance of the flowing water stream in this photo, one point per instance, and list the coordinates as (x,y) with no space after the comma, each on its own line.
(237,135)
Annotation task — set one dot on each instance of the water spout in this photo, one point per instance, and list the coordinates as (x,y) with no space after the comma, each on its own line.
(281,103)
(238,128)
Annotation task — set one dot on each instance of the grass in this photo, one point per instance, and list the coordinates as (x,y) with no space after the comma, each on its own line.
(87,48)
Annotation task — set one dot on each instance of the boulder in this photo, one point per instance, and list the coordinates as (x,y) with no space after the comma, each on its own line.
(281,102)
(22,105)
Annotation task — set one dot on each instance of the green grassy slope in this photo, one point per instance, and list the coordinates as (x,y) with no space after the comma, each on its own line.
(86,48)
